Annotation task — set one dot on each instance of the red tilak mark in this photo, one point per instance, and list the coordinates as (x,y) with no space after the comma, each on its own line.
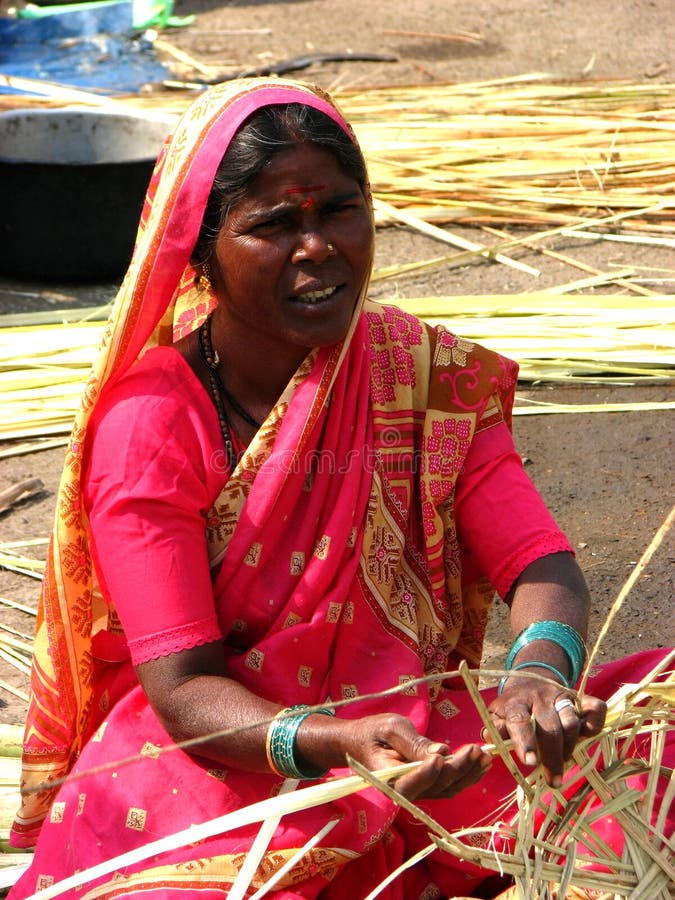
(310,202)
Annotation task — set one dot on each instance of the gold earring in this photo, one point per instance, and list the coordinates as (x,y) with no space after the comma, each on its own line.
(204,279)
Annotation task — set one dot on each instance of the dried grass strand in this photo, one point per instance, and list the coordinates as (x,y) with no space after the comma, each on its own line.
(407,864)
(260,844)
(295,859)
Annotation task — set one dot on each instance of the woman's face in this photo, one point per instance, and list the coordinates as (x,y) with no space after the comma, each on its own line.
(293,255)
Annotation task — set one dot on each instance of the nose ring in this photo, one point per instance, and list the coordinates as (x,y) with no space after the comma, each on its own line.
(301,252)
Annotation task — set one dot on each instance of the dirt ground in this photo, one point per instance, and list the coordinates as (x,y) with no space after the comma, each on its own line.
(607,477)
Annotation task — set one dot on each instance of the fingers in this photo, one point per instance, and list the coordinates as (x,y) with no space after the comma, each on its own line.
(514,720)
(557,731)
(400,735)
(388,738)
(593,712)
(568,717)
(445,776)
(422,779)
(461,769)
(545,724)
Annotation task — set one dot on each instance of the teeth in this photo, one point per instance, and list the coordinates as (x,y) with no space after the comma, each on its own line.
(315,296)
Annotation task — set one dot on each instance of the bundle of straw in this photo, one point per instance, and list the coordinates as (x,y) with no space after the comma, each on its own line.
(14,560)
(529,153)
(42,373)
(16,656)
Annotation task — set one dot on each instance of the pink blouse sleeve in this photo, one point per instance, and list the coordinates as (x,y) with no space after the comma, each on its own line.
(149,483)
(502,522)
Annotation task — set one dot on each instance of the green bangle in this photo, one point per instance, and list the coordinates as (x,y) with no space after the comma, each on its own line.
(281,738)
(532,665)
(566,637)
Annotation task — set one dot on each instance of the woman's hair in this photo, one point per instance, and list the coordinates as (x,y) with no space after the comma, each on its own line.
(271,130)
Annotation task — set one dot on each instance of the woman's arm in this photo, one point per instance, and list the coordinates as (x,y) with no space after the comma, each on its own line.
(193,697)
(509,535)
(551,587)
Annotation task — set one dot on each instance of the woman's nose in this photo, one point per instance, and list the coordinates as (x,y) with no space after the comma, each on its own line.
(313,246)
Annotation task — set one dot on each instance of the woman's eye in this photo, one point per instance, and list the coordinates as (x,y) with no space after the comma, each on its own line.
(347,206)
(269,224)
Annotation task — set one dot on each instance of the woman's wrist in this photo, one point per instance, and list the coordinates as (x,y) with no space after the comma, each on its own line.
(543,651)
(546,669)
(557,658)
(321,741)
(558,638)
(305,744)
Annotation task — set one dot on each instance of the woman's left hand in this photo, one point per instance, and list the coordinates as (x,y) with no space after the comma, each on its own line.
(544,722)
(536,712)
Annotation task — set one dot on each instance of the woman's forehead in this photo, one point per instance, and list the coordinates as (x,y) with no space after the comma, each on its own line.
(305,189)
(301,171)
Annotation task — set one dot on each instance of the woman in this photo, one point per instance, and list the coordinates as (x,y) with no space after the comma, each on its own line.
(350,468)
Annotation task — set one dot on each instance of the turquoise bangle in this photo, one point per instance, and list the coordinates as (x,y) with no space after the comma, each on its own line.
(566,637)
(281,738)
(534,664)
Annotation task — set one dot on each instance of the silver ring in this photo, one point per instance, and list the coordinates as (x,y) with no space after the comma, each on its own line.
(564,703)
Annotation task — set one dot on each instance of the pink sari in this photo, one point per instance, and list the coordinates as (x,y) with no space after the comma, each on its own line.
(337,574)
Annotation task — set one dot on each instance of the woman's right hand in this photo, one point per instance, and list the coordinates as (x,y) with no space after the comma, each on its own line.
(388,739)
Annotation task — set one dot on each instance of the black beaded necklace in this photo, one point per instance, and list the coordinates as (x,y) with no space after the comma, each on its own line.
(211,360)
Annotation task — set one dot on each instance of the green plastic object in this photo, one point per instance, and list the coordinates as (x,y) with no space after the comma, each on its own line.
(42,12)
(145,13)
